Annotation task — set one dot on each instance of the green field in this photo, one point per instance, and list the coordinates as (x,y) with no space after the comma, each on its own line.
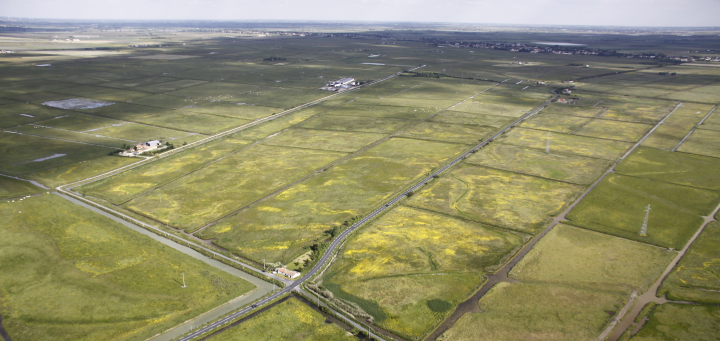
(564,167)
(304,211)
(579,258)
(616,206)
(456,133)
(695,278)
(499,198)
(67,273)
(124,186)
(336,141)
(614,130)
(13,188)
(81,170)
(234,181)
(702,142)
(682,322)
(459,117)
(572,144)
(679,168)
(556,123)
(289,320)
(399,264)
(532,311)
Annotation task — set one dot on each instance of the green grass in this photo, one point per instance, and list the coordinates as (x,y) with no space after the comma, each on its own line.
(377,108)
(337,141)
(13,188)
(679,168)
(614,130)
(616,206)
(289,320)
(489,104)
(572,110)
(668,135)
(456,133)
(124,186)
(67,273)
(554,122)
(695,278)
(80,170)
(369,124)
(100,140)
(248,112)
(682,322)
(495,197)
(564,167)
(580,258)
(459,117)
(17,153)
(12,114)
(533,311)
(341,192)
(411,263)
(563,143)
(702,142)
(218,189)
(140,132)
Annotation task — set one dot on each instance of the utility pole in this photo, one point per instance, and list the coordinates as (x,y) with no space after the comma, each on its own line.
(643,229)
(547,147)
(183,280)
(263,263)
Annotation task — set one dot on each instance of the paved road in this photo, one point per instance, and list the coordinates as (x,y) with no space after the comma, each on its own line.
(341,238)
(693,129)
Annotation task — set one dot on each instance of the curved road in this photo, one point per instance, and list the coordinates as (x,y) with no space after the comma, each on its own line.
(339,239)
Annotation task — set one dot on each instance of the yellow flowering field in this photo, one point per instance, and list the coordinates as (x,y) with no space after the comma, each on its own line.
(400,264)
(554,122)
(278,228)
(218,189)
(495,197)
(67,273)
(614,130)
(564,167)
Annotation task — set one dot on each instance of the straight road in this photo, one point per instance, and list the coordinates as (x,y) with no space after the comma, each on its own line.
(296,285)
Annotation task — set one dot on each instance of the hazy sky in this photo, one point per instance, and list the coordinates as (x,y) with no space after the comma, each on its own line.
(552,12)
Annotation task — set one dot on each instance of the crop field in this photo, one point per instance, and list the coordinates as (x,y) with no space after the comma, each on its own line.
(408,258)
(616,206)
(534,311)
(702,142)
(367,124)
(573,110)
(13,188)
(564,143)
(41,131)
(712,122)
(554,122)
(678,168)
(671,321)
(455,133)
(647,111)
(123,187)
(229,109)
(614,130)
(490,104)
(337,141)
(80,170)
(289,320)
(564,167)
(459,117)
(499,198)
(378,109)
(695,278)
(580,258)
(304,211)
(238,179)
(70,274)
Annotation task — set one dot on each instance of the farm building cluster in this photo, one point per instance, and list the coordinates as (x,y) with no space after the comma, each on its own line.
(142,148)
(340,84)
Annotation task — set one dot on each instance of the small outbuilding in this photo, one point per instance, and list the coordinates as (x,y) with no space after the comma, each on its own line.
(288,273)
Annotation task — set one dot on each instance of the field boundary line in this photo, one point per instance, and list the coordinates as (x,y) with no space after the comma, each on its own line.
(649,132)
(245,126)
(693,129)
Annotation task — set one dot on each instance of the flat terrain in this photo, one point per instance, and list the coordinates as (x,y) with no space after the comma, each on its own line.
(681,322)
(616,206)
(67,273)
(289,320)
